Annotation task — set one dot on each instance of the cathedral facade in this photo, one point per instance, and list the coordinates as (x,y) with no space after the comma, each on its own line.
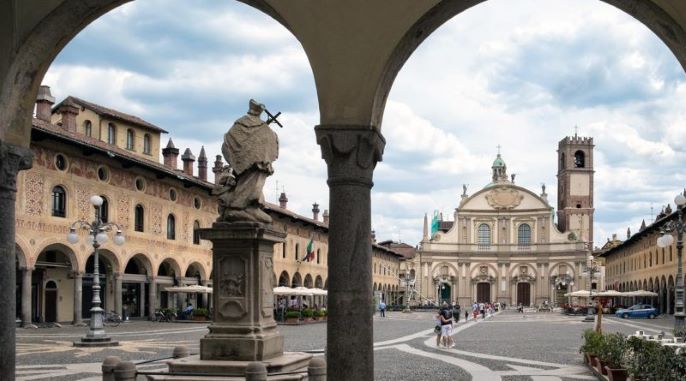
(503,244)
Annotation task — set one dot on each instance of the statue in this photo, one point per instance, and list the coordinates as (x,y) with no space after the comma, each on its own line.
(464,190)
(249,147)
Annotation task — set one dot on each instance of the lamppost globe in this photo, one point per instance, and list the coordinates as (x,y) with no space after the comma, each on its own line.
(119,238)
(101,237)
(72,237)
(96,200)
(665,241)
(680,200)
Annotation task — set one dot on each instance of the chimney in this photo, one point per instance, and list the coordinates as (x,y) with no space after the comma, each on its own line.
(170,155)
(69,111)
(44,102)
(315,211)
(188,160)
(373,236)
(218,165)
(325,216)
(614,237)
(283,200)
(202,165)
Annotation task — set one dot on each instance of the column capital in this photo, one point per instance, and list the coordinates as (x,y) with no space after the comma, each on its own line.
(12,160)
(351,152)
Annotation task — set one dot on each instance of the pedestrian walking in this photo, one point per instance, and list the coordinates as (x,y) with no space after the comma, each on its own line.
(446,326)
(437,329)
(382,309)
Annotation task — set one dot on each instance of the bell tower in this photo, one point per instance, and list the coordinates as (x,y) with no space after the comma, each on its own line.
(575,186)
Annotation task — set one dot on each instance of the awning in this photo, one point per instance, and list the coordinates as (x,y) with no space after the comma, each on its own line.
(299,291)
(639,293)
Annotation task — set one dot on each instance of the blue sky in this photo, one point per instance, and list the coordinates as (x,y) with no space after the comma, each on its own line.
(516,73)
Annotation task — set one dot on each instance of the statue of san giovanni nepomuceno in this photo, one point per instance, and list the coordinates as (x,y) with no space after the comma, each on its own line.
(249,147)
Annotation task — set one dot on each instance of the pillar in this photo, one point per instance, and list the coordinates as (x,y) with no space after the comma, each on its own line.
(351,154)
(12,160)
(78,294)
(152,298)
(26,299)
(117,294)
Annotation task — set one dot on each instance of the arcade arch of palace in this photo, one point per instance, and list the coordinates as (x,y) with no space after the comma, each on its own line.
(353,74)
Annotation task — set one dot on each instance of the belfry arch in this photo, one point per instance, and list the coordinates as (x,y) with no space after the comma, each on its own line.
(354,75)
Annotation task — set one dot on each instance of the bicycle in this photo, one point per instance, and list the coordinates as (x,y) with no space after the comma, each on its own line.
(111,319)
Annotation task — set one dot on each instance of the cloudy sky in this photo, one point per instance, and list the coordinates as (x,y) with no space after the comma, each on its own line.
(516,73)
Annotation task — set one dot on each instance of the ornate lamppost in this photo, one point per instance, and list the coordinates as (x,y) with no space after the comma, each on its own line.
(591,269)
(98,229)
(667,240)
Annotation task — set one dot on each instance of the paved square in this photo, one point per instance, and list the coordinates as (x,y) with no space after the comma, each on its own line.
(508,346)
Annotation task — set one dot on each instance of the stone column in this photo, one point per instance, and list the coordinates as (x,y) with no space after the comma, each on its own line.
(152,298)
(78,294)
(351,154)
(26,316)
(117,294)
(205,297)
(12,160)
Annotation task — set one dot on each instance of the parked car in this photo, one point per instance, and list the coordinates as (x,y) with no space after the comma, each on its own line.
(638,311)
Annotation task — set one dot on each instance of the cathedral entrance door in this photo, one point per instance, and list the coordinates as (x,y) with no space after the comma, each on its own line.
(445,293)
(483,292)
(524,294)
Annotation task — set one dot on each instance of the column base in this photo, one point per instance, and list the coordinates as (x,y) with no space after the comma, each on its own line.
(96,342)
(193,366)
(241,347)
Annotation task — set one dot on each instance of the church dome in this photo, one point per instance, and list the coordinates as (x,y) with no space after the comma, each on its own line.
(498,162)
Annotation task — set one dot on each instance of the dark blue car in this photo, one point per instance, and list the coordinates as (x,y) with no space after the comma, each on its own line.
(638,311)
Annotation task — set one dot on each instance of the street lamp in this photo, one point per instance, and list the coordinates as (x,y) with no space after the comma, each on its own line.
(591,269)
(667,240)
(97,231)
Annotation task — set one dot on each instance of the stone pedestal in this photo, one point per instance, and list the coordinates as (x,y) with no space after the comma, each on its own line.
(243,328)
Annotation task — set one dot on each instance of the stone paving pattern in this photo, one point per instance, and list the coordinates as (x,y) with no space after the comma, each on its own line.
(508,346)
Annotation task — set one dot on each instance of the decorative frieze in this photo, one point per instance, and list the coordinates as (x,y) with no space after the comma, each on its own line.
(33,192)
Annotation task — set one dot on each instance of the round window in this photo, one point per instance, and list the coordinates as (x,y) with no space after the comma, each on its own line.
(172,194)
(103,173)
(60,162)
(140,184)
(197,203)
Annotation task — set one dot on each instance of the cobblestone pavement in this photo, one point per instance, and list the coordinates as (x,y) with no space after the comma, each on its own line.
(508,346)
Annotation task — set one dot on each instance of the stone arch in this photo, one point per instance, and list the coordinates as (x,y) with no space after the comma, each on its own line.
(452,270)
(309,282)
(169,267)
(284,279)
(62,248)
(514,271)
(20,257)
(326,284)
(475,270)
(297,280)
(105,258)
(570,268)
(140,263)
(318,283)
(195,268)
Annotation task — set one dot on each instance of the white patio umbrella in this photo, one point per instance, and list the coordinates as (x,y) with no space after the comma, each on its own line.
(283,290)
(579,293)
(191,289)
(640,293)
(319,292)
(609,293)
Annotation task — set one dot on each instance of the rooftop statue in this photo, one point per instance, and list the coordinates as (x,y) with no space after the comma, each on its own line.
(249,147)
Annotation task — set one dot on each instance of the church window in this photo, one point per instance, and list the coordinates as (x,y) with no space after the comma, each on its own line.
(484,236)
(524,235)
(579,159)
(562,160)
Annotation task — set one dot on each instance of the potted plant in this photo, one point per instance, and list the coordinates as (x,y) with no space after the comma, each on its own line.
(200,314)
(307,314)
(292,317)
(591,345)
(612,354)
(323,314)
